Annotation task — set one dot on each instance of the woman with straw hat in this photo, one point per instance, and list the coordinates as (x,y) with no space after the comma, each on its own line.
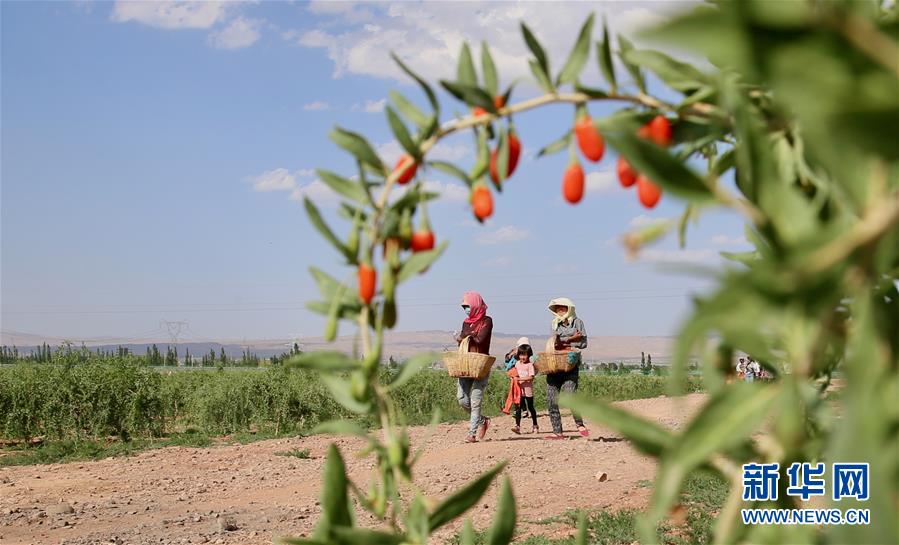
(570,335)
(479,328)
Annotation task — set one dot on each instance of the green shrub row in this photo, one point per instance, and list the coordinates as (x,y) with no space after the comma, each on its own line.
(123,398)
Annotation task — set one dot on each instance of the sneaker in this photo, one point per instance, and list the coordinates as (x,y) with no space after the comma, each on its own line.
(555,436)
(583,431)
(482,428)
(471,439)
(516,430)
(535,429)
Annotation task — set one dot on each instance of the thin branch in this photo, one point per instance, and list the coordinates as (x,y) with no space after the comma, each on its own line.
(470,121)
(868,39)
(875,224)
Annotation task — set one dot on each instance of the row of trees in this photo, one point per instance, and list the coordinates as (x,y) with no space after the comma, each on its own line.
(68,354)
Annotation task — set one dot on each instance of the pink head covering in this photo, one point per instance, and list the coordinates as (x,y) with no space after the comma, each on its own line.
(478,308)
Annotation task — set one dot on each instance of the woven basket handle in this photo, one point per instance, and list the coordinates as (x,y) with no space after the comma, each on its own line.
(463,346)
(551,344)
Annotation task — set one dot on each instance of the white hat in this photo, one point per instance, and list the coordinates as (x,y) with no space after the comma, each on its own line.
(523,340)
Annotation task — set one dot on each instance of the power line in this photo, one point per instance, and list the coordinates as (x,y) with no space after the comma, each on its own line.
(294,306)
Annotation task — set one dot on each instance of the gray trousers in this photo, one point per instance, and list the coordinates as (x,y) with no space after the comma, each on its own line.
(556,383)
(470,393)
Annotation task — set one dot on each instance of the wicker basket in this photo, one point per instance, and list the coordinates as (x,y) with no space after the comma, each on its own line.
(552,360)
(465,364)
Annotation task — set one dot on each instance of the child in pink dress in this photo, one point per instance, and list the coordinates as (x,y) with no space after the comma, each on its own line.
(525,379)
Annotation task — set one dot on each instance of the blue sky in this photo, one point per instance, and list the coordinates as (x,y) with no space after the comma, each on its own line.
(154,155)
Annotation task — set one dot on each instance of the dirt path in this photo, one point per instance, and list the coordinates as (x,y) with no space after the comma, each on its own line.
(186,495)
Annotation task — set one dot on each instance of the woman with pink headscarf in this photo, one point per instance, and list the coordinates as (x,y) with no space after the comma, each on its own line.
(479,327)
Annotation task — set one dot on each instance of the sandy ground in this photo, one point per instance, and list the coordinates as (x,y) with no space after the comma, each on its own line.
(248,494)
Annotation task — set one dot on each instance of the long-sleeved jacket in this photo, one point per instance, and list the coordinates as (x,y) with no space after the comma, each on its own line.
(480,341)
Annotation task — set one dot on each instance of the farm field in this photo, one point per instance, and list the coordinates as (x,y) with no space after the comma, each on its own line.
(271,487)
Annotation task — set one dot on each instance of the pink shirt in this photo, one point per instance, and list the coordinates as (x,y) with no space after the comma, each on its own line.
(526,374)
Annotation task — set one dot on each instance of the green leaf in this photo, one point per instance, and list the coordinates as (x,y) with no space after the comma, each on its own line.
(556,146)
(677,75)
(417,521)
(432,426)
(343,186)
(723,163)
(465,73)
(730,416)
(341,390)
(535,47)
(348,311)
(353,536)
(325,360)
(590,91)
(746,258)
(483,159)
(453,506)
(410,110)
(467,536)
(420,261)
(335,501)
(328,286)
(359,147)
(319,223)
(402,134)
(625,46)
(647,436)
(581,538)
(659,166)
(412,366)
(351,213)
(502,158)
(432,98)
(578,56)
(503,528)
(604,55)
(469,94)
(682,225)
(342,427)
(491,81)
(452,170)
(541,76)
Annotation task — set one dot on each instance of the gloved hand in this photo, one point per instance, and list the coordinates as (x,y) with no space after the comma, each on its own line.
(574,357)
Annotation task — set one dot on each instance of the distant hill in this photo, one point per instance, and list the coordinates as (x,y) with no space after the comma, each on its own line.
(400,345)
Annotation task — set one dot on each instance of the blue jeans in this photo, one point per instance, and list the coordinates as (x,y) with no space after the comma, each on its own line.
(470,393)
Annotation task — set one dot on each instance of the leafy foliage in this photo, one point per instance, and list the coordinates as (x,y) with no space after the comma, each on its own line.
(801,109)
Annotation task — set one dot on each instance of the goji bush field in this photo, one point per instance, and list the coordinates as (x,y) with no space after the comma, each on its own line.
(122,398)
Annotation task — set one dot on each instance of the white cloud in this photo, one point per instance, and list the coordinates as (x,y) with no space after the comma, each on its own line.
(371,106)
(678,256)
(428,35)
(449,192)
(317,191)
(449,152)
(645,221)
(497,262)
(505,234)
(278,179)
(238,34)
(602,181)
(172,14)
(317,105)
(724,240)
